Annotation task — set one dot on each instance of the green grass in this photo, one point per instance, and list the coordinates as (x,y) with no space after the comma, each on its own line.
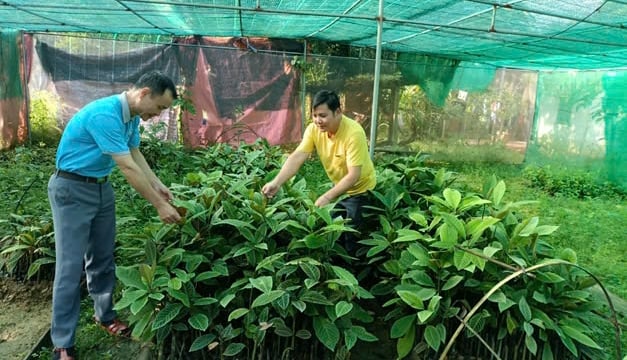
(595,228)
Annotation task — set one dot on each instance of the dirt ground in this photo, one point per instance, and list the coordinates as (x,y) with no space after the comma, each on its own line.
(24,316)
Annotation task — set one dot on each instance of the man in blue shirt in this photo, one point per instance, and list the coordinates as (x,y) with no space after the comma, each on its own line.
(103,134)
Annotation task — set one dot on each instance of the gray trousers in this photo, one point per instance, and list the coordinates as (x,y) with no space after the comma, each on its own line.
(84,231)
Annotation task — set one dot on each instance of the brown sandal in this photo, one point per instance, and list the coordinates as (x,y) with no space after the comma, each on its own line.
(115,328)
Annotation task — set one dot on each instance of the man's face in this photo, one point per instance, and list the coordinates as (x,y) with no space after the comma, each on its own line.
(325,119)
(152,105)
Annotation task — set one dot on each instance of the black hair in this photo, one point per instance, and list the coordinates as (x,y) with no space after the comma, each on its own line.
(326,97)
(157,82)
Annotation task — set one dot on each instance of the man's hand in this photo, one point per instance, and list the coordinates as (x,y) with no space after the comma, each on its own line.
(162,190)
(270,189)
(168,214)
(323,200)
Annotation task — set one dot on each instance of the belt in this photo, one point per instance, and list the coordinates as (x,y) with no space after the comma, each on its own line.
(77,177)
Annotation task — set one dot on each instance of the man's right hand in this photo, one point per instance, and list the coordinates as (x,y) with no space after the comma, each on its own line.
(168,214)
(270,189)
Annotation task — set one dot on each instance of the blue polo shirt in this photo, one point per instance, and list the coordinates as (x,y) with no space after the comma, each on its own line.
(99,130)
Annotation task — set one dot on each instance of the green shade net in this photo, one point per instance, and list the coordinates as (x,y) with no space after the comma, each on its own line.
(473,76)
(10,79)
(434,75)
(615,110)
(13,125)
(580,123)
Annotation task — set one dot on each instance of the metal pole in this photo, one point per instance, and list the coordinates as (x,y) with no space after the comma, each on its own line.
(377,75)
(303,91)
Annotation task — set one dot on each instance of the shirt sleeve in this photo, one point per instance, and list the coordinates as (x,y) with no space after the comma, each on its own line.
(133,142)
(307,145)
(357,150)
(108,133)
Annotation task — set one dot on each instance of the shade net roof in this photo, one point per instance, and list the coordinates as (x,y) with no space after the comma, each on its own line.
(529,34)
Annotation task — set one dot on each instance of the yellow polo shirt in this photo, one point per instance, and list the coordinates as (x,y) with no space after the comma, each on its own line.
(349,147)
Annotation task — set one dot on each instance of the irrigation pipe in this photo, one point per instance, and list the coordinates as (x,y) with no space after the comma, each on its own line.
(527,270)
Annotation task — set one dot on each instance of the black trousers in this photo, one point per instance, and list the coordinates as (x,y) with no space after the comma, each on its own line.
(352,208)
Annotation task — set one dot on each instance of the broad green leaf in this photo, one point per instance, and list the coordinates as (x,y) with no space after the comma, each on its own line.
(448,236)
(525,310)
(434,303)
(547,353)
(342,308)
(237,313)
(454,222)
(315,297)
(420,253)
(199,321)
(166,315)
(406,343)
(350,339)
(476,226)
(528,328)
(175,283)
(407,235)
(179,295)
(498,297)
(129,297)
(546,229)
(233,349)
(549,277)
(579,337)
(418,217)
(453,197)
(438,200)
(529,226)
(432,336)
(498,192)
(326,332)
(263,283)
(531,344)
(201,342)
(462,259)
(420,277)
(207,275)
(362,334)
(303,334)
(138,305)
(309,283)
(205,301)
(151,252)
(570,345)
(411,298)
(452,282)
(237,224)
(401,326)
(315,241)
(540,297)
(299,305)
(130,277)
(424,315)
(267,298)
(226,299)
(310,270)
(472,201)
(268,262)
(489,251)
(344,275)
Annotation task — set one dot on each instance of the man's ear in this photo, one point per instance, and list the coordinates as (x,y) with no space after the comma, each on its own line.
(143,92)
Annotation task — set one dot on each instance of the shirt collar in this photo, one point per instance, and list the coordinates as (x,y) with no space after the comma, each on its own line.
(126,110)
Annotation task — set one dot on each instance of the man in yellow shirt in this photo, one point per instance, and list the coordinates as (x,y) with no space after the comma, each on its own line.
(342,147)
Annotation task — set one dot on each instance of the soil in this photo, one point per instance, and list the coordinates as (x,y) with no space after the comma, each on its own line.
(24,316)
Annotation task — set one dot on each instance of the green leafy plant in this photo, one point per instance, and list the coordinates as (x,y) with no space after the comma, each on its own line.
(28,247)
